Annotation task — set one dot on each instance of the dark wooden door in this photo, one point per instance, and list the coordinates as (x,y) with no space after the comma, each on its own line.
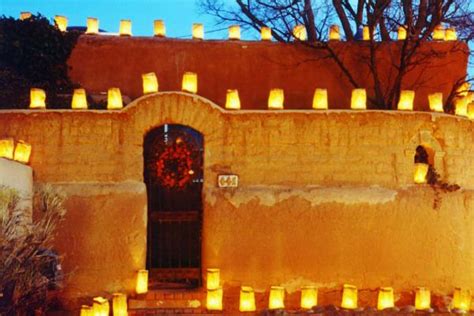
(174,177)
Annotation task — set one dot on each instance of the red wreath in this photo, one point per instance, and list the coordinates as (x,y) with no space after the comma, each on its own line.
(174,167)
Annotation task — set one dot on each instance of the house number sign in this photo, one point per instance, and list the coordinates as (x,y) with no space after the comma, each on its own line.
(228,181)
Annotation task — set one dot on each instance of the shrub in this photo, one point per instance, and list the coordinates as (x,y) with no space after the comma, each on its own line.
(33,53)
(25,246)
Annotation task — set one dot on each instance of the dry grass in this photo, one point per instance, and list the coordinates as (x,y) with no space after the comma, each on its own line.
(23,244)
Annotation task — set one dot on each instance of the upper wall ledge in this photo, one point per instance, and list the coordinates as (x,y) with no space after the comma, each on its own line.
(193,98)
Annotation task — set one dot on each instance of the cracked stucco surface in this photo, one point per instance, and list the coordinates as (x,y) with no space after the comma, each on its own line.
(271,195)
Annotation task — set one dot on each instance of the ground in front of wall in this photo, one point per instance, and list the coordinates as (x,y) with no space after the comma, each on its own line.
(193,302)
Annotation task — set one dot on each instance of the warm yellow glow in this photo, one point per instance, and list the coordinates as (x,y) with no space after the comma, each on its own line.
(125,28)
(276,99)
(366,33)
(79,99)
(450,34)
(276,299)
(439,33)
(190,82)
(86,310)
(114,99)
(234,32)
(470,97)
(402,33)
(214,299)
(385,299)
(142,282)
(470,111)
(463,89)
(37,98)
(232,101)
(320,99)
(150,83)
(7,146)
(436,102)
(421,170)
(460,106)
(198,31)
(22,152)
(349,297)
(299,32)
(100,307)
(358,99)
(405,103)
(92,26)
(159,28)
(247,299)
(25,15)
(213,278)
(61,22)
(309,297)
(422,298)
(462,299)
(119,304)
(334,33)
(266,33)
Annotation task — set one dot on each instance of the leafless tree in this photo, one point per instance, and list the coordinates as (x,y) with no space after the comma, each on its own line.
(383,17)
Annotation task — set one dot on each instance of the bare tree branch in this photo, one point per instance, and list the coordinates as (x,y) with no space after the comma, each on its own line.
(343,18)
(310,25)
(383,17)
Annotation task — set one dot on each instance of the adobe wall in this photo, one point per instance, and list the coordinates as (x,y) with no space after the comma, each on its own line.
(18,177)
(324,197)
(101,62)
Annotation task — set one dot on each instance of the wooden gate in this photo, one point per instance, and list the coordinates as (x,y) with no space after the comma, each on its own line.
(174,177)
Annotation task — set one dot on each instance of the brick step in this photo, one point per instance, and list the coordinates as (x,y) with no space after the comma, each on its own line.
(189,300)
(149,312)
(164,304)
(195,294)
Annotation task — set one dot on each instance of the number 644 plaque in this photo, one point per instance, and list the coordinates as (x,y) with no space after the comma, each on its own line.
(228,181)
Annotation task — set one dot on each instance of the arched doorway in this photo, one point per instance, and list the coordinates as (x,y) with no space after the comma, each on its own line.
(174,177)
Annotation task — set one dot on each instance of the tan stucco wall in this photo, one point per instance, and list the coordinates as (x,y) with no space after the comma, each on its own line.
(17,176)
(103,237)
(101,62)
(325,197)
(369,237)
